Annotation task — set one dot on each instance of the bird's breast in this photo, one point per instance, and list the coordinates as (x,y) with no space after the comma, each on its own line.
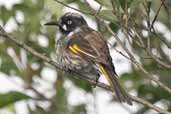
(68,59)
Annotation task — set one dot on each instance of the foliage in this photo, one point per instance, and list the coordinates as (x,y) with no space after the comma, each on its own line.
(11,97)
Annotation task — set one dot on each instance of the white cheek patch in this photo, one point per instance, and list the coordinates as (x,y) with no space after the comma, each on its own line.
(75,31)
(64,27)
(70,34)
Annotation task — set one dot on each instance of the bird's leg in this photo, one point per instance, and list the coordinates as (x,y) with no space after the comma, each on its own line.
(97,78)
(70,71)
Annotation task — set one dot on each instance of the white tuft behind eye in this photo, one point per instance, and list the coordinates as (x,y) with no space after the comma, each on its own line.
(69,22)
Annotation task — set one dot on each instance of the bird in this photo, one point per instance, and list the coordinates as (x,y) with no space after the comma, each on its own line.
(83,49)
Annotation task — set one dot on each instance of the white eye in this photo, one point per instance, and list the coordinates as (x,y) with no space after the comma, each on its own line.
(69,22)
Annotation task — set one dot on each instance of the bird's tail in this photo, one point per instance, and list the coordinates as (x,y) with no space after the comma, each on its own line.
(114,83)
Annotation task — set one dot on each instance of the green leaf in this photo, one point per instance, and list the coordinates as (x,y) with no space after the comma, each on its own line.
(108,15)
(156,92)
(122,3)
(6,63)
(54,7)
(38,110)
(6,14)
(12,97)
(129,2)
(114,27)
(80,109)
(81,83)
(84,7)
(106,3)
(84,85)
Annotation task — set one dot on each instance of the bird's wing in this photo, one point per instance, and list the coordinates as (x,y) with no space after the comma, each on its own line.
(90,45)
(82,48)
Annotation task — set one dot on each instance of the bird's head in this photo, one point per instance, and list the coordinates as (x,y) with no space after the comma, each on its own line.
(68,22)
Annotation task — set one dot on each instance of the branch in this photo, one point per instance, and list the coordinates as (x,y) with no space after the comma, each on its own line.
(164,64)
(162,2)
(148,39)
(72,7)
(132,59)
(78,75)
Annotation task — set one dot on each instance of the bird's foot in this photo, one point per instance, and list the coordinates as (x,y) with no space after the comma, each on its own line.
(94,85)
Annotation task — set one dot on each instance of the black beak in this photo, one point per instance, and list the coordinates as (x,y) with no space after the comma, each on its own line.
(57,23)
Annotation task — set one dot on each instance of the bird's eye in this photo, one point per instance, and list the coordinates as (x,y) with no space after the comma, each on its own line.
(69,22)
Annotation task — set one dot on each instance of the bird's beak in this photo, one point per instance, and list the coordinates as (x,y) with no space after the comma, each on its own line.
(53,23)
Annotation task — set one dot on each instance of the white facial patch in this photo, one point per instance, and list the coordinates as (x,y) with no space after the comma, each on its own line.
(75,31)
(69,22)
(64,27)
(70,34)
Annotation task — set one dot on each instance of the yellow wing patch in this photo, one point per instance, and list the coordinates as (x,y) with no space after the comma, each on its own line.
(74,48)
(105,74)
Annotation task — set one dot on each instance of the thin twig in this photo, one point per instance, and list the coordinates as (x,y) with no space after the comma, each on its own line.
(157,13)
(167,11)
(72,7)
(81,76)
(164,64)
(158,60)
(148,40)
(148,23)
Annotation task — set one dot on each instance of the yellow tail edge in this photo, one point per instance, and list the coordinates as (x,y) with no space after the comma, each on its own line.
(106,75)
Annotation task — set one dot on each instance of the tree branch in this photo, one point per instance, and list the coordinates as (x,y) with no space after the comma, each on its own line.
(132,58)
(72,7)
(78,75)
(155,17)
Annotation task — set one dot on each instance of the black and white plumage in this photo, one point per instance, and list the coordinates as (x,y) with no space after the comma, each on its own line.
(83,49)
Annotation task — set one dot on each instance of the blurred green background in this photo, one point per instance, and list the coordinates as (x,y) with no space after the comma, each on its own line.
(24,20)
